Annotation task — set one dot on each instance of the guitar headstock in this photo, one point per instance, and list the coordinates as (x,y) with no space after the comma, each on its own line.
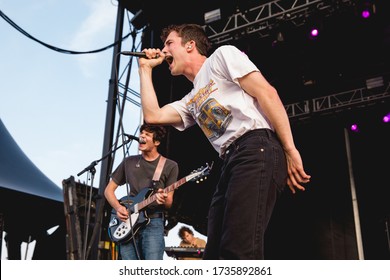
(201,173)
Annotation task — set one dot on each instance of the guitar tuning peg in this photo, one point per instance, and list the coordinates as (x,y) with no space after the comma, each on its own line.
(201,179)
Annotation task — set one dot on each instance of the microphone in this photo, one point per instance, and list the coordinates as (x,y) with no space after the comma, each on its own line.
(137,54)
(139,140)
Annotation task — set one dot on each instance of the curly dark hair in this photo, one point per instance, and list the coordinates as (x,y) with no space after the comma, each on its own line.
(158,131)
(189,32)
(184,229)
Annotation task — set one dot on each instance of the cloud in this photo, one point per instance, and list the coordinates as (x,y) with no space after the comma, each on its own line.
(100,20)
(97,24)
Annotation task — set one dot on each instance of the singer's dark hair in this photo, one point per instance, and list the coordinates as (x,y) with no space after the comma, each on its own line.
(158,131)
(189,32)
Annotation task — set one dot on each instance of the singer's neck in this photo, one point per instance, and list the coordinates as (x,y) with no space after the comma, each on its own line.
(194,66)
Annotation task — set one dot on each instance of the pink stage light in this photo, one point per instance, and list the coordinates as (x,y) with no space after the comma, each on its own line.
(386,118)
(354,128)
(366,14)
(314,32)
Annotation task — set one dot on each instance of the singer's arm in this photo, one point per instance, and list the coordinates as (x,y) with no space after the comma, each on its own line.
(152,112)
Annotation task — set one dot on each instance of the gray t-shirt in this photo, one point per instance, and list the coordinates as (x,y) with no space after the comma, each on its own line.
(138,173)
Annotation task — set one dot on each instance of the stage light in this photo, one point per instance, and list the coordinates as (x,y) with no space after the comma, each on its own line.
(386,118)
(212,16)
(365,14)
(375,82)
(366,9)
(314,32)
(315,25)
(354,128)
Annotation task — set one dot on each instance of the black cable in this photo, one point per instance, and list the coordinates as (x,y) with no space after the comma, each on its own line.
(14,25)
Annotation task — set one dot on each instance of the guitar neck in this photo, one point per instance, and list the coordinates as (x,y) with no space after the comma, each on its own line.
(168,189)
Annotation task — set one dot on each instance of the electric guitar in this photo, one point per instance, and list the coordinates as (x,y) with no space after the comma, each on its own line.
(123,232)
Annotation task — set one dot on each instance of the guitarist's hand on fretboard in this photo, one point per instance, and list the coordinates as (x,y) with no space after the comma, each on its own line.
(122,213)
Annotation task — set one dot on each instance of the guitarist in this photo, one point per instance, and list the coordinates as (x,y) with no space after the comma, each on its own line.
(137,173)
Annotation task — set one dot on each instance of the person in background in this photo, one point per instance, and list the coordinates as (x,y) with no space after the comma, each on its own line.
(242,116)
(137,171)
(189,240)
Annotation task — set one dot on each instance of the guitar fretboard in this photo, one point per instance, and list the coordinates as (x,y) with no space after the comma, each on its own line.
(168,189)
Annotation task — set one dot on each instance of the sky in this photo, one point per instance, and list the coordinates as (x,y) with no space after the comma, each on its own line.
(53,103)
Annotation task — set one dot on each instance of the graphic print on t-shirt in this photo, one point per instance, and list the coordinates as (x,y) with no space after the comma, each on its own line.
(213,118)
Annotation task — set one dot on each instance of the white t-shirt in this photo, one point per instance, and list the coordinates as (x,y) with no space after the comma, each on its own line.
(217,103)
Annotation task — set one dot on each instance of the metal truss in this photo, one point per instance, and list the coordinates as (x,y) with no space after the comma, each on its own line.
(134,93)
(337,102)
(260,19)
(326,104)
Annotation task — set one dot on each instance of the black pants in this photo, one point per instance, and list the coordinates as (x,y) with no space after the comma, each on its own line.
(253,172)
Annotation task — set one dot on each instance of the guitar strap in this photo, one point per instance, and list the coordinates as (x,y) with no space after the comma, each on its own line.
(159,168)
(156,177)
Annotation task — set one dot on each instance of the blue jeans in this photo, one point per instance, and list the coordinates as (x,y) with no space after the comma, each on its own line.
(254,171)
(149,240)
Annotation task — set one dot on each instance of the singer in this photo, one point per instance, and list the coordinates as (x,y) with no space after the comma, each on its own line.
(137,173)
(242,116)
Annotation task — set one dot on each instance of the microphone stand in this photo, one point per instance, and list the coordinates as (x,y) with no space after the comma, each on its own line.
(92,170)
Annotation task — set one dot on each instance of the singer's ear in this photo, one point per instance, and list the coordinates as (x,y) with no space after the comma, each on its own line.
(189,44)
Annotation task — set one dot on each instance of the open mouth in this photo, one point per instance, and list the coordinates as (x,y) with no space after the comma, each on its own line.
(169,59)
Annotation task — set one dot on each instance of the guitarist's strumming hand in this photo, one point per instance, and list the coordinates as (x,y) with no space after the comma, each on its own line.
(122,213)
(161,196)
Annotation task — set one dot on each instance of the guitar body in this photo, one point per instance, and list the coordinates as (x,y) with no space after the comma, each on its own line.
(123,232)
